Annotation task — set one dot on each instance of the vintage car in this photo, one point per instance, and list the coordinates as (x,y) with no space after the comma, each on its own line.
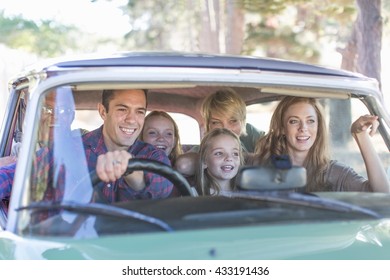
(265,219)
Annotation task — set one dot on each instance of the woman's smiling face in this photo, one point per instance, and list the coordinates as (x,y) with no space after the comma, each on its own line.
(300,122)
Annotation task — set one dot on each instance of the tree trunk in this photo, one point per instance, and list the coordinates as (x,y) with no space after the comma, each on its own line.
(234,28)
(340,132)
(362,54)
(369,38)
(192,47)
(209,29)
(222,27)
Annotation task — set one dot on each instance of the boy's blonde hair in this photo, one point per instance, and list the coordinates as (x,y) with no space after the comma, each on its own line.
(224,102)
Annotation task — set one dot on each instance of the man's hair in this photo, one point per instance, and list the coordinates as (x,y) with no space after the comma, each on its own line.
(108,95)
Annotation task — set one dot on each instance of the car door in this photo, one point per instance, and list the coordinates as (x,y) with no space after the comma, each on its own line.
(11,134)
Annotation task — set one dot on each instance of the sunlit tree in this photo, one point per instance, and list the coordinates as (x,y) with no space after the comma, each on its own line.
(45,38)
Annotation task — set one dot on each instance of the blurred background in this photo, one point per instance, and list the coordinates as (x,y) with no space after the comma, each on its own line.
(348,34)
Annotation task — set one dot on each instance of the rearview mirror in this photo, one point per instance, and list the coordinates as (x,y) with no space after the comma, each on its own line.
(267,178)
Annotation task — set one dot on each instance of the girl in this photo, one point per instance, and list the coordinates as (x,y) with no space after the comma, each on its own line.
(220,158)
(161,130)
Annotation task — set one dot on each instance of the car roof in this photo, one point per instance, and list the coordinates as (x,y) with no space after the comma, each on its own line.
(221,70)
(193,60)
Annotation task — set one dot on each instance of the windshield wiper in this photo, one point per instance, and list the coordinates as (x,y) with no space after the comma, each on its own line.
(300,199)
(96,209)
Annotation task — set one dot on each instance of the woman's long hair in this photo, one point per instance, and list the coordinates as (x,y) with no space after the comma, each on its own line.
(204,180)
(275,143)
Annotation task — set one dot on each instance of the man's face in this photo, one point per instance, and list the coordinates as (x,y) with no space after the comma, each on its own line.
(124,119)
(57,115)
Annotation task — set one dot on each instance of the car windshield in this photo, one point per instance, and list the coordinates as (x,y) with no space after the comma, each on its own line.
(63,196)
(59,164)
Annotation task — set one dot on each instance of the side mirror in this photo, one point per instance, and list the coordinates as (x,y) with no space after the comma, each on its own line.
(270,179)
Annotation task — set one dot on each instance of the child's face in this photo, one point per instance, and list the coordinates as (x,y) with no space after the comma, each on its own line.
(159,132)
(223,157)
(223,121)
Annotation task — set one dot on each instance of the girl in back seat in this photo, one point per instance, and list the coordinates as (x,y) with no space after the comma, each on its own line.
(161,130)
(220,159)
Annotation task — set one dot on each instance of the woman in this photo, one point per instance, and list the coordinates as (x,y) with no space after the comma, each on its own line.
(298,129)
(220,159)
(161,130)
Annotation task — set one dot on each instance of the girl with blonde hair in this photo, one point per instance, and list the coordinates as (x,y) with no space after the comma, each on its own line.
(221,156)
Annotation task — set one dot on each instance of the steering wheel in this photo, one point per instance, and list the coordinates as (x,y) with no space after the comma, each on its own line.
(152,166)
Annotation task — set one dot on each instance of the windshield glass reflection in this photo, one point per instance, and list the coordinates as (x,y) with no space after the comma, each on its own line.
(59,165)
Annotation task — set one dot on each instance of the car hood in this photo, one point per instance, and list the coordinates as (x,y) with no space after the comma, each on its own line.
(331,240)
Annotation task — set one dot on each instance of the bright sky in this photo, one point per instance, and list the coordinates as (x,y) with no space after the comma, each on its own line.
(103,17)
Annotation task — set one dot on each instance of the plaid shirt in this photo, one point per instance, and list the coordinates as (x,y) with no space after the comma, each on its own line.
(6,178)
(156,186)
(48,182)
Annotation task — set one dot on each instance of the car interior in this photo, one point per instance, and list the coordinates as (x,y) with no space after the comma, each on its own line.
(183,103)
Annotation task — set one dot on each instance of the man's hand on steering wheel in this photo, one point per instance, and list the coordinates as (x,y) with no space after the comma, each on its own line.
(113,165)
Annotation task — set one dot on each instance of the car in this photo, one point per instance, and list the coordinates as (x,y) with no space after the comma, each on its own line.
(261,221)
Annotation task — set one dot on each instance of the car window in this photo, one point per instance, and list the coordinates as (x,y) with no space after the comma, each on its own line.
(57,168)
(353,156)
(259,115)
(343,148)
(87,119)
(188,129)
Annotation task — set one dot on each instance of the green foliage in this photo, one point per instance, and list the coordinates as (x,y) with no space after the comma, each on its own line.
(154,23)
(47,38)
(268,7)
(290,29)
(297,29)
(282,43)
(386,16)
